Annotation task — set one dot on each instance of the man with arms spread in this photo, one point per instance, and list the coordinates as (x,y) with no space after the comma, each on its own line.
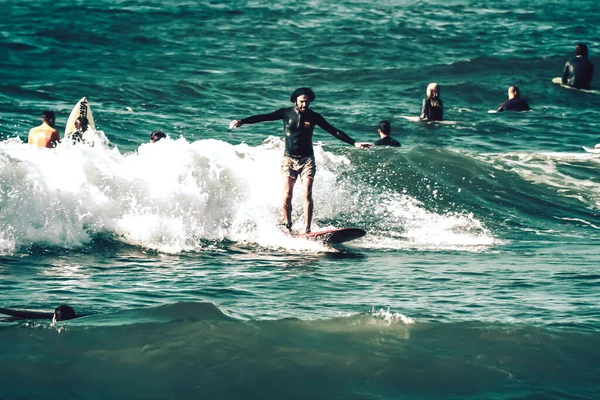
(298,125)
(579,70)
(514,102)
(46,134)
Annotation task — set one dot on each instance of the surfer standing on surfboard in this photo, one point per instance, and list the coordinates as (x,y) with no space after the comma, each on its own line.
(579,70)
(298,125)
(46,134)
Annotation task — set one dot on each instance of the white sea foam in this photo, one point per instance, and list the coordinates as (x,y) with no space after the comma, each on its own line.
(176,196)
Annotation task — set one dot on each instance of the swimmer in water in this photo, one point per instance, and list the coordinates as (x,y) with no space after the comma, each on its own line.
(81,125)
(579,70)
(385,130)
(45,135)
(156,136)
(61,313)
(514,102)
(299,123)
(433,108)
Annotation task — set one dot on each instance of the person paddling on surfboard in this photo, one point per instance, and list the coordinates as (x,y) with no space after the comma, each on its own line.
(514,102)
(46,134)
(61,313)
(579,70)
(298,125)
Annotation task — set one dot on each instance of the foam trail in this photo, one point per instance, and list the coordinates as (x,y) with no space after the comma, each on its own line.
(175,196)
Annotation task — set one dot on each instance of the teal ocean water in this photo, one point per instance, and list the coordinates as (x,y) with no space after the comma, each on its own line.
(478,277)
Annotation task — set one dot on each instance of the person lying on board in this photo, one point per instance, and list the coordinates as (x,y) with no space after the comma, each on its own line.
(299,123)
(61,313)
(385,130)
(514,102)
(45,135)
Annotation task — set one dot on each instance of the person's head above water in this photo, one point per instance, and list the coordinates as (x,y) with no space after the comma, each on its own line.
(302,97)
(81,124)
(433,90)
(49,118)
(63,313)
(156,136)
(385,128)
(581,50)
(513,92)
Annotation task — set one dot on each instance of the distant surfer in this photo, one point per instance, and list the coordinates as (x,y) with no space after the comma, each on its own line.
(433,108)
(156,136)
(514,102)
(298,125)
(61,313)
(45,135)
(385,130)
(81,126)
(579,70)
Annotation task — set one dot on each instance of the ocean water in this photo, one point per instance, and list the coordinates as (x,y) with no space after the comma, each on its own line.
(478,277)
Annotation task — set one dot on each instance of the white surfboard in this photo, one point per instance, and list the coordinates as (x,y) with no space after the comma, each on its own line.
(558,81)
(413,118)
(591,150)
(81,109)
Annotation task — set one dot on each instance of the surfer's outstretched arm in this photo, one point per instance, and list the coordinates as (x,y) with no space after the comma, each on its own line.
(339,134)
(274,116)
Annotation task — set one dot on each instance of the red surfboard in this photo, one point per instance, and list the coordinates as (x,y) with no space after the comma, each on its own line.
(333,235)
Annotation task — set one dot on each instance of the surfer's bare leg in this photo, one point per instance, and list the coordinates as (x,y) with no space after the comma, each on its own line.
(308,201)
(288,194)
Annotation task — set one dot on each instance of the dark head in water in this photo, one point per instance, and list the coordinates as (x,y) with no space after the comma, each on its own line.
(581,50)
(49,118)
(156,136)
(385,127)
(63,313)
(513,92)
(81,124)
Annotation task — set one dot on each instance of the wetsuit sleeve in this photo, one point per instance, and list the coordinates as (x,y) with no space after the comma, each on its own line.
(320,121)
(565,75)
(274,116)
(424,112)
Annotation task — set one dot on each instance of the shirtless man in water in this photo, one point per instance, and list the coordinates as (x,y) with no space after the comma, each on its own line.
(299,123)
(46,134)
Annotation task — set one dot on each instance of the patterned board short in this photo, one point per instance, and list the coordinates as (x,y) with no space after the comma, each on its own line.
(303,166)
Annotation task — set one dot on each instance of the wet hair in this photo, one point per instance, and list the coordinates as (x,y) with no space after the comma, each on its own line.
(49,118)
(433,93)
(385,127)
(300,91)
(157,135)
(581,50)
(64,312)
(515,90)
(83,121)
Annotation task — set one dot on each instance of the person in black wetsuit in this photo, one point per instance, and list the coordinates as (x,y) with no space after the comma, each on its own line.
(514,102)
(61,313)
(156,136)
(578,71)
(385,130)
(433,108)
(299,123)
